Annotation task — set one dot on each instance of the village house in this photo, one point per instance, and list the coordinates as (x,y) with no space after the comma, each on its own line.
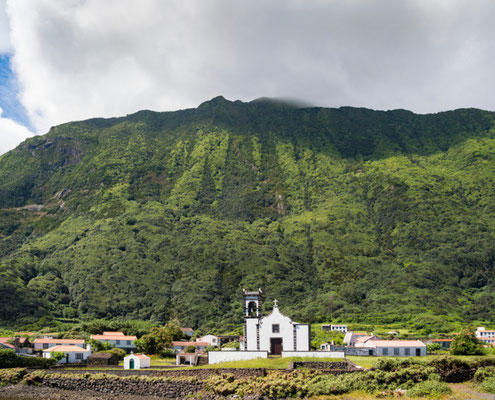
(274,333)
(351,337)
(486,336)
(445,343)
(136,361)
(334,328)
(73,354)
(4,343)
(212,340)
(117,339)
(187,332)
(182,345)
(44,343)
(401,348)
(361,340)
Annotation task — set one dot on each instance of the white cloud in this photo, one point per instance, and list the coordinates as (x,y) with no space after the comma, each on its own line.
(5,46)
(11,134)
(78,59)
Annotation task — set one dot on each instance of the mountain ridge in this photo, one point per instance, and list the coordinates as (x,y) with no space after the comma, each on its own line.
(347,214)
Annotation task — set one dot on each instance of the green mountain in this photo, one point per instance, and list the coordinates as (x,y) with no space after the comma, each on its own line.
(341,214)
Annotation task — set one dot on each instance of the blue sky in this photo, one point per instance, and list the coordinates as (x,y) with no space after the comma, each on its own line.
(9,90)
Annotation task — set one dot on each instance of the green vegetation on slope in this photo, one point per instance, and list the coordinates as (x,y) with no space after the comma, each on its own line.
(345,214)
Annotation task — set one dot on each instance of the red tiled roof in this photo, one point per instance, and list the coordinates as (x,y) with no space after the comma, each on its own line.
(363,339)
(67,349)
(195,344)
(142,356)
(113,333)
(186,329)
(61,341)
(4,340)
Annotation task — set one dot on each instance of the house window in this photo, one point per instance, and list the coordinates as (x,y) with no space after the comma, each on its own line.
(407,351)
(276,328)
(385,351)
(396,351)
(45,345)
(117,342)
(79,356)
(128,343)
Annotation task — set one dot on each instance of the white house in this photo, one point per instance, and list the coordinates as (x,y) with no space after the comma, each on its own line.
(136,361)
(212,340)
(73,354)
(274,333)
(485,335)
(361,340)
(118,339)
(41,344)
(396,347)
(334,328)
(351,337)
(182,346)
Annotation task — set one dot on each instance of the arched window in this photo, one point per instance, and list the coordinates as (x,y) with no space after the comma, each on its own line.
(252,309)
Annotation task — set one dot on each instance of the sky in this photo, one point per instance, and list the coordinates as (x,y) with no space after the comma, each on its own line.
(65,60)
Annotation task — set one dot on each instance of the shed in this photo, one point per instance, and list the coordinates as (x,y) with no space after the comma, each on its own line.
(103,359)
(136,361)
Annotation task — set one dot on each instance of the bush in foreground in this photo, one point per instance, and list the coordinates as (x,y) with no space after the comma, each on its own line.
(11,375)
(430,388)
(8,359)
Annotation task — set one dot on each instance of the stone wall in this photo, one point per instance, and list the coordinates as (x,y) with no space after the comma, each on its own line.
(200,373)
(321,365)
(167,389)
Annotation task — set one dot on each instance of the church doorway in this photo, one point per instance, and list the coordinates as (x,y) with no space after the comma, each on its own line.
(276,346)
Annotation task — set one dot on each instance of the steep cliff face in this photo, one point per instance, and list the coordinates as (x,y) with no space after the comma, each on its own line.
(340,213)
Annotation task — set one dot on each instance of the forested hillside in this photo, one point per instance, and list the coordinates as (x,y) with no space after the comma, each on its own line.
(341,214)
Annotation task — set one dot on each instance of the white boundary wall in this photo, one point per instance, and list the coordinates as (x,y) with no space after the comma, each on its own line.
(215,357)
(319,354)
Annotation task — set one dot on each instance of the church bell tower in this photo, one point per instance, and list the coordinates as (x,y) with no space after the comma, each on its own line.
(253,302)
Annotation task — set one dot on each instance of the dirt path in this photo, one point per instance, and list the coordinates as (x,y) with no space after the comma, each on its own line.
(470,393)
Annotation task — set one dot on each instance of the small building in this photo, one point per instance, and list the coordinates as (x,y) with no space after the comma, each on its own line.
(445,343)
(103,359)
(402,348)
(45,343)
(334,328)
(73,354)
(212,340)
(187,332)
(351,337)
(487,336)
(182,345)
(361,340)
(4,343)
(117,339)
(192,359)
(136,361)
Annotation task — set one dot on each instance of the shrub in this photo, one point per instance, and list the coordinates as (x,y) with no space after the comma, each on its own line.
(482,373)
(8,359)
(488,385)
(431,388)
(466,344)
(11,375)
(120,352)
(190,349)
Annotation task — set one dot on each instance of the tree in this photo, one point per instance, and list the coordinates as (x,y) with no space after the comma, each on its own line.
(434,347)
(466,344)
(57,355)
(159,338)
(98,346)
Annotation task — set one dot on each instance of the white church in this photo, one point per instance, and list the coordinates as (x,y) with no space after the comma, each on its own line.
(274,333)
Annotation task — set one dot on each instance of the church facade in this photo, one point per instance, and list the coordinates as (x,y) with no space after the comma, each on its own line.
(273,333)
